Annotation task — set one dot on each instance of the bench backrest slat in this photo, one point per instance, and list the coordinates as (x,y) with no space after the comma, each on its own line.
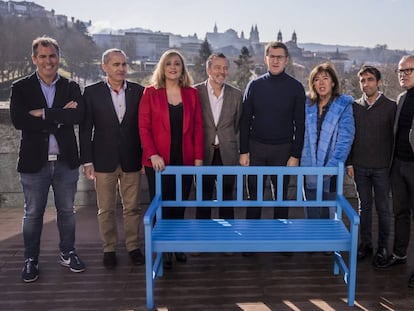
(241,173)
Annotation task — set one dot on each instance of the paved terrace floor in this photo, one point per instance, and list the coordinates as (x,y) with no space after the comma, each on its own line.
(267,281)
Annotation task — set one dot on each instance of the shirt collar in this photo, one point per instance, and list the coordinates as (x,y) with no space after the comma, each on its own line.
(124,85)
(366,98)
(211,90)
(57,77)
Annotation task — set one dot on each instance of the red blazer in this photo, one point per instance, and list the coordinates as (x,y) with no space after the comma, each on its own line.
(154,125)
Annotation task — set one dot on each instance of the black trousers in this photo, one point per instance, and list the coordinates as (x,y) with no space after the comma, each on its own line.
(209,184)
(268,155)
(169,193)
(402,186)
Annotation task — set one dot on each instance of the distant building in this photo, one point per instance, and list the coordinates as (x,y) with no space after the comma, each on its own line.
(31,9)
(189,46)
(231,42)
(23,8)
(137,45)
(292,45)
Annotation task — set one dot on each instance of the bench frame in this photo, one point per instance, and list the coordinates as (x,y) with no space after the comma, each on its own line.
(270,235)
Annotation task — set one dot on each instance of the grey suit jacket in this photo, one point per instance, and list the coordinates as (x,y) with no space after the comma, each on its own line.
(400,102)
(227,128)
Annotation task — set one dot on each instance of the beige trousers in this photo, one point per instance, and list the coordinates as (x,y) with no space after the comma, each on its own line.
(106,193)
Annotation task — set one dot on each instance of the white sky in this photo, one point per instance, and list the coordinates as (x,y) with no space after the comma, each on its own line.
(348,22)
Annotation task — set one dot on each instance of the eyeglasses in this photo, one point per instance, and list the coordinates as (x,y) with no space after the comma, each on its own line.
(406,71)
(277,57)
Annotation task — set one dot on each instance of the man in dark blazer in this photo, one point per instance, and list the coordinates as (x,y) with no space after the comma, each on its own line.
(45,106)
(221,105)
(402,169)
(111,154)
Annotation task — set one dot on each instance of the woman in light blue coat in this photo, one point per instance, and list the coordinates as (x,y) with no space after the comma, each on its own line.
(329,132)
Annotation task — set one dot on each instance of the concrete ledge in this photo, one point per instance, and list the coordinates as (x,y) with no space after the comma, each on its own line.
(10,189)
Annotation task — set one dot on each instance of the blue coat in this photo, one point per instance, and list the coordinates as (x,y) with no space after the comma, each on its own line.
(336,136)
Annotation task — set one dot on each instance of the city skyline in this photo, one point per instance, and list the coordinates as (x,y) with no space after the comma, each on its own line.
(357,23)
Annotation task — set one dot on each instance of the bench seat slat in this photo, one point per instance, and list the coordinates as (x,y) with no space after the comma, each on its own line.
(276,235)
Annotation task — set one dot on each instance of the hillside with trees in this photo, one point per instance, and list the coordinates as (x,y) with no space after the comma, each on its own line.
(78,51)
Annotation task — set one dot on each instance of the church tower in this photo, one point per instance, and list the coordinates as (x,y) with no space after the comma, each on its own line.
(279,36)
(254,34)
(215,28)
(294,37)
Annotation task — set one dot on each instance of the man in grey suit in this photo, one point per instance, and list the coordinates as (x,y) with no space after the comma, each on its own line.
(221,105)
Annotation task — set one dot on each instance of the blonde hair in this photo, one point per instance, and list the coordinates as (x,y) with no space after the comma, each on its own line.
(158,77)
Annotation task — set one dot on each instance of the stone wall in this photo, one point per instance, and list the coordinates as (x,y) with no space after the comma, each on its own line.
(10,188)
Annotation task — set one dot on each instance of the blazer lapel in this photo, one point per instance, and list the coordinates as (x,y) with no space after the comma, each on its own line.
(205,101)
(225,108)
(164,108)
(128,103)
(400,103)
(40,95)
(186,109)
(107,104)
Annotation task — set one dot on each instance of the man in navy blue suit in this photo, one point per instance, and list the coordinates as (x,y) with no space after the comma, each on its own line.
(111,154)
(45,106)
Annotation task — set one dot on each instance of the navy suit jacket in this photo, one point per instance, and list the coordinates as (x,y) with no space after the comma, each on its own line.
(104,141)
(26,95)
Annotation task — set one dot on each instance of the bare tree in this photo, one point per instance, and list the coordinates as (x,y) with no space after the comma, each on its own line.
(244,68)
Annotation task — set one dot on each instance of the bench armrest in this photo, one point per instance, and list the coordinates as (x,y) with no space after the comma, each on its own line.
(156,203)
(348,209)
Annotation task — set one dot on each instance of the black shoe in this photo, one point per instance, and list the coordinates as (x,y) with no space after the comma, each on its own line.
(411,280)
(167,261)
(380,257)
(364,250)
(393,260)
(180,257)
(30,272)
(287,254)
(109,260)
(136,257)
(247,254)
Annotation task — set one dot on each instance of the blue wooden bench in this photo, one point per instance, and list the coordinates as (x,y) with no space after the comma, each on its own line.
(252,235)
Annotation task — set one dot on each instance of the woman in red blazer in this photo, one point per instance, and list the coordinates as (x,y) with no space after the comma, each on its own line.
(170,125)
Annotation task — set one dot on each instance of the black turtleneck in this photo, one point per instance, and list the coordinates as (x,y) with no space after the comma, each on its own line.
(403,148)
(273,112)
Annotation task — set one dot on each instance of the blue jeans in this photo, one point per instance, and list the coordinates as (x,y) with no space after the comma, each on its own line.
(369,180)
(36,189)
(327,195)
(319,212)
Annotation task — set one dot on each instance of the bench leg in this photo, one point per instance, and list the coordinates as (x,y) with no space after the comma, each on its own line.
(336,269)
(149,280)
(149,269)
(352,277)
